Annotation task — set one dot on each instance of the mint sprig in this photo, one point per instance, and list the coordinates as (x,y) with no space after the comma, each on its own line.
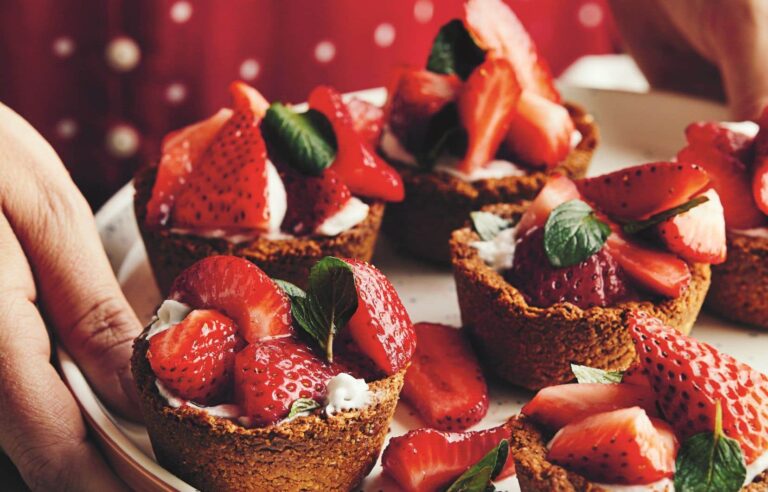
(488,225)
(586,374)
(478,478)
(305,140)
(634,227)
(454,51)
(573,233)
(327,305)
(302,405)
(710,461)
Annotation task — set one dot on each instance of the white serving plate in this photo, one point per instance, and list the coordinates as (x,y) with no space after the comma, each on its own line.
(635,128)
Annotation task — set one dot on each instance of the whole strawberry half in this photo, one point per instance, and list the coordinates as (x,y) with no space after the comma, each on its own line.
(558,190)
(689,377)
(486,107)
(596,281)
(356,163)
(312,199)
(380,327)
(367,119)
(195,358)
(427,460)
(271,375)
(444,381)
(623,447)
(697,235)
(760,164)
(239,289)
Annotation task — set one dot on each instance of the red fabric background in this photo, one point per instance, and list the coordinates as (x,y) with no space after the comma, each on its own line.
(55,72)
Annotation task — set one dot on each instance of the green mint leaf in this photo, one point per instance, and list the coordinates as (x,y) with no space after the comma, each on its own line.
(710,462)
(302,405)
(573,233)
(454,51)
(305,140)
(290,289)
(636,226)
(586,374)
(488,225)
(478,477)
(444,135)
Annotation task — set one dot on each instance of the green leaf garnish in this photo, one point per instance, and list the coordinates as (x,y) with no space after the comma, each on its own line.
(478,477)
(710,461)
(636,226)
(586,374)
(488,225)
(454,51)
(327,305)
(302,405)
(444,135)
(305,140)
(573,233)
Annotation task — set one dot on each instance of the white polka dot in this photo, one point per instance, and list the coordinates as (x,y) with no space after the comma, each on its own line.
(122,141)
(63,47)
(181,12)
(66,128)
(123,54)
(175,93)
(384,35)
(423,11)
(590,14)
(249,69)
(325,51)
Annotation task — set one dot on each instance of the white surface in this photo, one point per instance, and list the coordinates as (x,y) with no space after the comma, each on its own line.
(635,128)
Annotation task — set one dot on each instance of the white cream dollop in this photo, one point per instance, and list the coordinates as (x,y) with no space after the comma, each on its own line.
(277,198)
(346,392)
(352,213)
(748,128)
(663,485)
(499,252)
(756,467)
(168,314)
(225,411)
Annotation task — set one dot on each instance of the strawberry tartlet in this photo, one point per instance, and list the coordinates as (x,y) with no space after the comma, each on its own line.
(249,383)
(684,417)
(736,157)
(265,182)
(547,285)
(482,124)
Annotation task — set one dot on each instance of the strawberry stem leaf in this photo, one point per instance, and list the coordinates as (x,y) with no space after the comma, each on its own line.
(479,476)
(586,374)
(454,51)
(304,140)
(301,406)
(488,225)
(637,226)
(573,233)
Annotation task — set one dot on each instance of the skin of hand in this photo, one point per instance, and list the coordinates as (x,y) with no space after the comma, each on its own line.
(711,48)
(55,276)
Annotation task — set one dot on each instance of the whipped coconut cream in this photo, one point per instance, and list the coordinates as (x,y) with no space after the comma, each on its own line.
(499,252)
(663,485)
(168,314)
(352,213)
(225,411)
(757,232)
(748,128)
(346,392)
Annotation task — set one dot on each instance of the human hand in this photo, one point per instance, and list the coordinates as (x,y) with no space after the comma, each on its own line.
(709,48)
(54,272)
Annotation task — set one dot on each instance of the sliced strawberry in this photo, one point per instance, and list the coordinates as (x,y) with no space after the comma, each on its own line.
(540,133)
(271,375)
(312,199)
(228,189)
(195,358)
(716,136)
(182,149)
(444,381)
(638,192)
(427,460)
(689,377)
(239,289)
(380,326)
(495,28)
(367,118)
(356,163)
(760,184)
(558,190)
(698,234)
(486,107)
(623,447)
(557,406)
(247,98)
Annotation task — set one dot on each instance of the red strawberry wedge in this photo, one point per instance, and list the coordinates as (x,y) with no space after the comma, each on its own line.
(558,190)
(380,326)
(312,199)
(623,447)
(760,184)
(239,289)
(486,108)
(247,98)
(427,460)
(557,406)
(271,375)
(697,235)
(716,136)
(444,381)
(364,172)
(367,119)
(689,377)
(195,358)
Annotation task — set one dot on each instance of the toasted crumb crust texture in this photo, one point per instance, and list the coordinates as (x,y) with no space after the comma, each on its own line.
(287,259)
(534,347)
(739,289)
(437,203)
(308,453)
